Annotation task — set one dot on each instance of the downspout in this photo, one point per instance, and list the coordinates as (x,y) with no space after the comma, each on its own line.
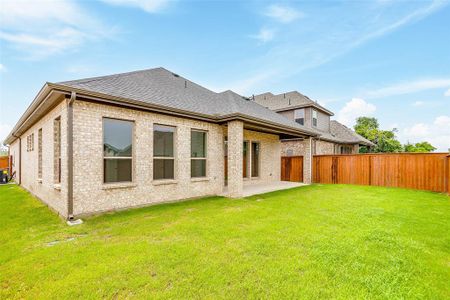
(310,160)
(70,156)
(20,158)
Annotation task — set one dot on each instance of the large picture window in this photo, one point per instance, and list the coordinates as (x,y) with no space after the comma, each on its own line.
(299,116)
(163,152)
(255,159)
(198,153)
(117,150)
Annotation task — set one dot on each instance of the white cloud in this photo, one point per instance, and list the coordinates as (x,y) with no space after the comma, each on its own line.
(328,35)
(418,130)
(353,109)
(437,133)
(2,68)
(265,35)
(447,93)
(5,129)
(150,6)
(408,87)
(283,14)
(46,27)
(418,103)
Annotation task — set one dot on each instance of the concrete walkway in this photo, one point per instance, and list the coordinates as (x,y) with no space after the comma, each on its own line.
(261,188)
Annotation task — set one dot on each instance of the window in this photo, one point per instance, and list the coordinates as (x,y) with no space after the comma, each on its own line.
(246,156)
(117,150)
(30,142)
(255,159)
(198,153)
(40,154)
(346,149)
(57,150)
(314,118)
(163,152)
(299,116)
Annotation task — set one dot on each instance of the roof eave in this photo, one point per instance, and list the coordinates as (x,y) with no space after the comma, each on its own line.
(40,98)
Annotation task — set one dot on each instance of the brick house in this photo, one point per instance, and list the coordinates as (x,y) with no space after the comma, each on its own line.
(333,138)
(133,139)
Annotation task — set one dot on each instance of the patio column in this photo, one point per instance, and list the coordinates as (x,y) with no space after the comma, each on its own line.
(307,162)
(235,157)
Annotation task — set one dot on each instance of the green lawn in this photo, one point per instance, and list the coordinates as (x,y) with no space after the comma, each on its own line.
(320,241)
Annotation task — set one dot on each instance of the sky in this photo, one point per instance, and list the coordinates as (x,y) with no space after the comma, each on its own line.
(386,59)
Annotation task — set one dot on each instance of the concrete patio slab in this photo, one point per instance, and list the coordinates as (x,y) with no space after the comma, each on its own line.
(261,188)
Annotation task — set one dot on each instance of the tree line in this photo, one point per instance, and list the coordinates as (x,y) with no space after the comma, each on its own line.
(385,140)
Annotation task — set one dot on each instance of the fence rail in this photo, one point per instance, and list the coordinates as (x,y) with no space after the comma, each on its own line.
(422,171)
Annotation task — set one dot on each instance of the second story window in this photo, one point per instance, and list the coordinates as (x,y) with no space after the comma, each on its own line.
(314,118)
(299,116)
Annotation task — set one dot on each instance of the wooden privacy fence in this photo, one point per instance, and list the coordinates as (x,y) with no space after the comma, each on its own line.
(422,171)
(4,162)
(292,168)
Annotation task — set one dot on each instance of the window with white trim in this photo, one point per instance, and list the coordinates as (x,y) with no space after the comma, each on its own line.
(299,116)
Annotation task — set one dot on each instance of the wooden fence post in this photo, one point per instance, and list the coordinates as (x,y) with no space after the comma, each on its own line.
(447,174)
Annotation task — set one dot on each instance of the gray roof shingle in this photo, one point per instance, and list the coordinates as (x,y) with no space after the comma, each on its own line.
(289,100)
(164,88)
(344,134)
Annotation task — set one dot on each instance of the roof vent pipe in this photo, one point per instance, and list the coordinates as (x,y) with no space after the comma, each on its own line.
(185,84)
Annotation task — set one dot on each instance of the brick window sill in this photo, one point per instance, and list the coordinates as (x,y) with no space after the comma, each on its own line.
(164,181)
(119,185)
(57,186)
(199,179)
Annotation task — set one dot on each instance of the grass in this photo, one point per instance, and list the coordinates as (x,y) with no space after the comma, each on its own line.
(320,241)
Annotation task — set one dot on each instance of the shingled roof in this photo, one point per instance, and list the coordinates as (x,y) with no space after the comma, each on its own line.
(345,135)
(287,101)
(164,88)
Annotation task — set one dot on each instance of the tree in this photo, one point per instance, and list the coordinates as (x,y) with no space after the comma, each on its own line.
(385,140)
(419,147)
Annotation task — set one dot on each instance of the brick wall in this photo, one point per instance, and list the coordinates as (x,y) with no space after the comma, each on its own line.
(92,195)
(55,196)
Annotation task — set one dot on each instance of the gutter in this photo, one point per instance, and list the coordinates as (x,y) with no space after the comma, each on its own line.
(95,96)
(73,96)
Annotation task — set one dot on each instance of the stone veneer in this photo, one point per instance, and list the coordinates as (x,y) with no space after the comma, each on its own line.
(235,158)
(323,147)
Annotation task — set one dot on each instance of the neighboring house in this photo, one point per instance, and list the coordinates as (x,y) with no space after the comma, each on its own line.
(334,137)
(143,137)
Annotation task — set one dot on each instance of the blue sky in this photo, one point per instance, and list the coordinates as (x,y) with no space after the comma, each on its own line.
(388,59)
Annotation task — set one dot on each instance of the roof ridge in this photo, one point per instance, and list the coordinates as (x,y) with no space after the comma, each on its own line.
(96,78)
